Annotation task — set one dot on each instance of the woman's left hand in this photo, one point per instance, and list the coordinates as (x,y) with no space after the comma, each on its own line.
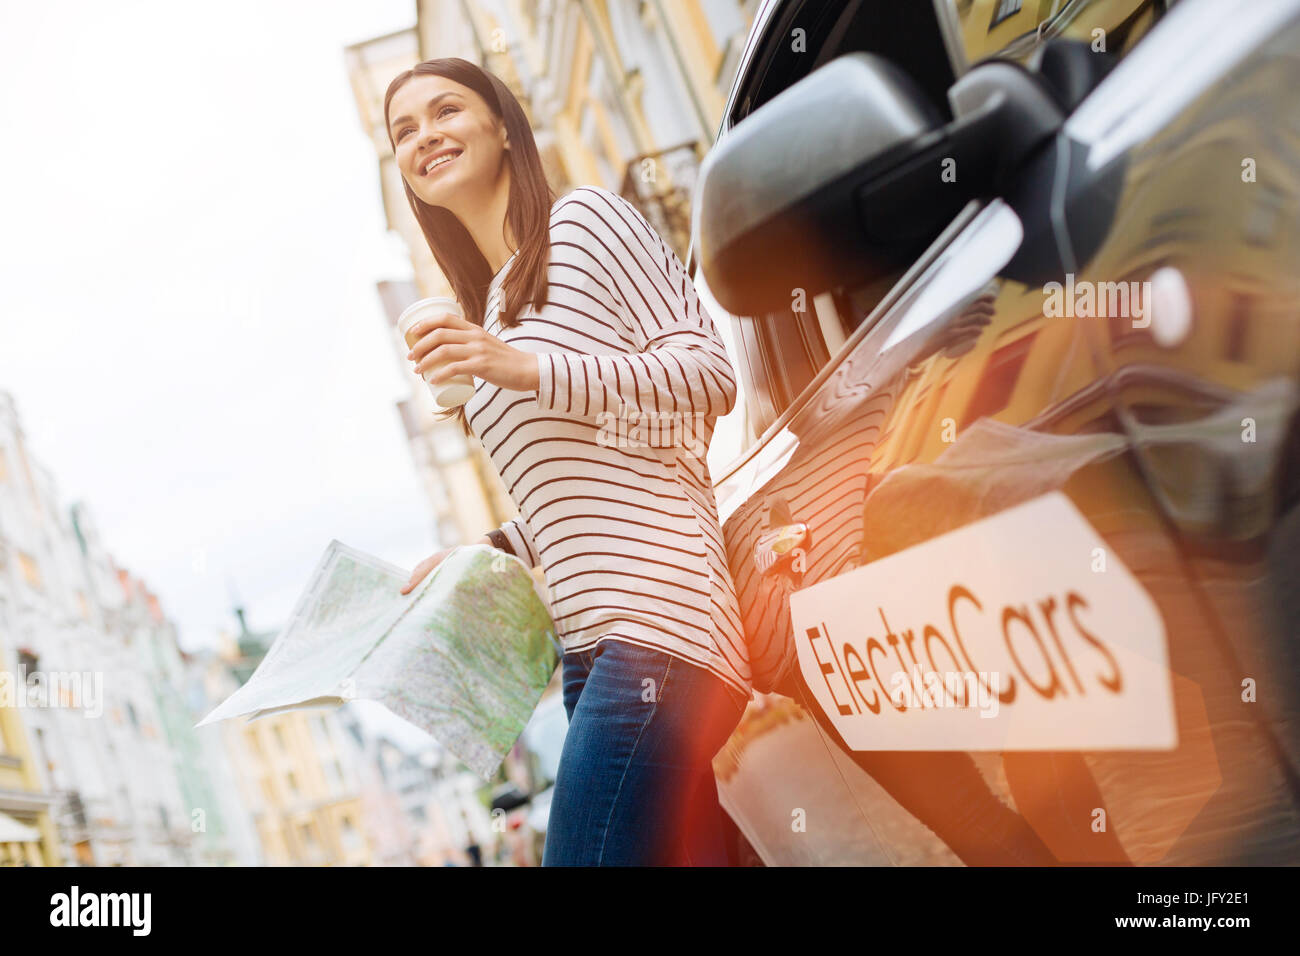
(451,346)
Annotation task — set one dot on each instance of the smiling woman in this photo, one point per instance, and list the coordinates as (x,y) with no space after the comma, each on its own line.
(655,669)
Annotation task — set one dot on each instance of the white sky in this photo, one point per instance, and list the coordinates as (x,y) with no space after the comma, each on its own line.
(190,236)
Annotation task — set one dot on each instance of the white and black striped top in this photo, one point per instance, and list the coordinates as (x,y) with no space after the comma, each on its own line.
(606,460)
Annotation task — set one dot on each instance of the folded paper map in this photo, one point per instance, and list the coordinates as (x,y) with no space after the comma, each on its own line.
(465,656)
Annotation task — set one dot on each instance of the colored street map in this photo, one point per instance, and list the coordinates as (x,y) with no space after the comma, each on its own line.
(465,656)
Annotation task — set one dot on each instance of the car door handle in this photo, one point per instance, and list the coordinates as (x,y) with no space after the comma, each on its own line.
(783,546)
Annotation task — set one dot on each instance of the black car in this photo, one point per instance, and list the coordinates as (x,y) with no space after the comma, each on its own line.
(1014,288)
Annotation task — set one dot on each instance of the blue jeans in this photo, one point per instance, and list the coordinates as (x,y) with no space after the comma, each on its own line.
(635,784)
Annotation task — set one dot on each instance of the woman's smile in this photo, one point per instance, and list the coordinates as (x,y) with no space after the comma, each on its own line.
(437,161)
(435,122)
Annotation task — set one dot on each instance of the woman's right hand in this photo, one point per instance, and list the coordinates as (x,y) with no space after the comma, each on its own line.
(424,567)
(432,561)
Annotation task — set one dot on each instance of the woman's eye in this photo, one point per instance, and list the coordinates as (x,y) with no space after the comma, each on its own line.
(443,110)
(403,133)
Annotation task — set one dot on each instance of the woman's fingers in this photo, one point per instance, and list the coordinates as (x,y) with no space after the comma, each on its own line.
(416,577)
(439,360)
(440,335)
(443,320)
(421,571)
(445,353)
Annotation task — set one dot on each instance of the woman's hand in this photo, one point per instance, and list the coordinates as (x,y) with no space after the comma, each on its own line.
(432,561)
(424,567)
(451,346)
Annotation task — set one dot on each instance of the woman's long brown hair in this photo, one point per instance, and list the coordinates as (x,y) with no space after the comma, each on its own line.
(528,210)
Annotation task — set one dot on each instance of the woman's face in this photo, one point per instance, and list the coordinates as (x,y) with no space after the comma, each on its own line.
(432,117)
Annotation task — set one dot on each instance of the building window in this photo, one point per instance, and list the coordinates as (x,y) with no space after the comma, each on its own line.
(530,15)
(42,750)
(351,836)
(31,573)
(449,444)
(449,533)
(724,20)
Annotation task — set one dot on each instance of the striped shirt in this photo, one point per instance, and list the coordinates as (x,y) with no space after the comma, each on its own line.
(606,459)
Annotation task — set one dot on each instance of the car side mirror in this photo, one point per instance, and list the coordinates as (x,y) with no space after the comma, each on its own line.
(851,172)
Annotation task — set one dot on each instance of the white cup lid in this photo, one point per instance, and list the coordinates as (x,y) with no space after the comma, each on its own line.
(422,308)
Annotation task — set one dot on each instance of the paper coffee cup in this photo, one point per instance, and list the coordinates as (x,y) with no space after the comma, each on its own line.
(455,391)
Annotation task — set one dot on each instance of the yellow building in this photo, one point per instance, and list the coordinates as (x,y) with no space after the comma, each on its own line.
(27,831)
(298,775)
(27,834)
(306,813)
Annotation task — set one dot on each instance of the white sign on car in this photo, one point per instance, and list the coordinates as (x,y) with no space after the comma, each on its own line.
(1004,634)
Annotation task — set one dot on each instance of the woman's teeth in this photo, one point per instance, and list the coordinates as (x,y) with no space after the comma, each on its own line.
(440,161)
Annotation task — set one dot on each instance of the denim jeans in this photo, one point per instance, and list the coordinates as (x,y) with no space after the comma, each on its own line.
(635,785)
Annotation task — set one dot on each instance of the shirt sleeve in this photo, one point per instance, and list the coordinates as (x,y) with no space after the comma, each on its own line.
(680,364)
(520,541)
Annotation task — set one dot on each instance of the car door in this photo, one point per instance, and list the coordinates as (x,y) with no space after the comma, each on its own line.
(978,383)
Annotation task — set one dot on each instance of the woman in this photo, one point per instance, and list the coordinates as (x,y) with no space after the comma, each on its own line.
(598,379)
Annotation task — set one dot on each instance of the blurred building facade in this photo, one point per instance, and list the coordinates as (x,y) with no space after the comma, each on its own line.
(431,800)
(298,772)
(99,762)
